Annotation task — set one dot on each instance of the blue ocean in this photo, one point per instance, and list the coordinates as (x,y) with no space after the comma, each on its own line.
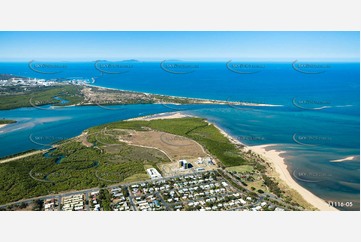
(313,113)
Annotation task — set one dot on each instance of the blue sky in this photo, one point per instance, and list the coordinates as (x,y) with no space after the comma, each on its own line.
(83,46)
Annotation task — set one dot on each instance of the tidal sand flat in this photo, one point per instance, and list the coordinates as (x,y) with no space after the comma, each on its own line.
(171,115)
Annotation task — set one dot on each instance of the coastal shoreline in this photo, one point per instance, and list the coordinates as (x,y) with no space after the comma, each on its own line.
(200,100)
(2,125)
(272,156)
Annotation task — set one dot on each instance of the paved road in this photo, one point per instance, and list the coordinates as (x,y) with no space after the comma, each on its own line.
(261,197)
(87,191)
(166,205)
(131,201)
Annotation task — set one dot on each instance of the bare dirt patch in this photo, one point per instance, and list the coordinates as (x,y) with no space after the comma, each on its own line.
(176,147)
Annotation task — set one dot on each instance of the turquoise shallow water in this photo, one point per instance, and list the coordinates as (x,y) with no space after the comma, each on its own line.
(309,164)
(317,122)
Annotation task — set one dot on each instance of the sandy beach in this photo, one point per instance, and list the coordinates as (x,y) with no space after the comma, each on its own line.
(274,158)
(2,125)
(170,115)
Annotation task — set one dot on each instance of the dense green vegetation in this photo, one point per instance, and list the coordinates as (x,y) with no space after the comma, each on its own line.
(38,205)
(38,96)
(194,128)
(105,199)
(72,166)
(272,185)
(7,121)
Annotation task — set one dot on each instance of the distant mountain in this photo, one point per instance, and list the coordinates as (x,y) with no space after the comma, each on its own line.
(131,60)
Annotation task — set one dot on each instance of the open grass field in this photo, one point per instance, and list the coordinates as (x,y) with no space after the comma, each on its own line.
(243,168)
(195,129)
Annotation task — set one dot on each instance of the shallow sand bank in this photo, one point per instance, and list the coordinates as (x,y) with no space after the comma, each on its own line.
(170,115)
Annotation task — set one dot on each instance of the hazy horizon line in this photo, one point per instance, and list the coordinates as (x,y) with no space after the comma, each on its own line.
(354,60)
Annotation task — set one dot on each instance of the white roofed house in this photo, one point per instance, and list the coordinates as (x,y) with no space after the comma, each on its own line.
(153,173)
